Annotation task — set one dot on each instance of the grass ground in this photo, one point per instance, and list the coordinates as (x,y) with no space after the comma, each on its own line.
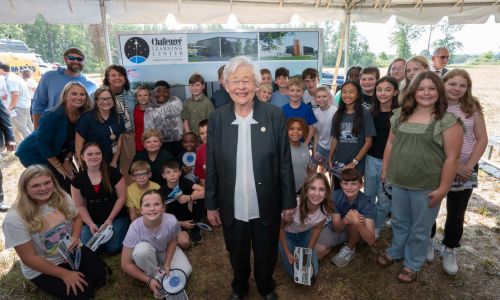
(479,275)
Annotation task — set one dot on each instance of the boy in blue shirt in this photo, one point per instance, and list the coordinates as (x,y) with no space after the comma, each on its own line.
(352,220)
(280,97)
(296,108)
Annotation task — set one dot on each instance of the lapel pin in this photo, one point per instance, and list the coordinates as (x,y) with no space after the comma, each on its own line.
(263,129)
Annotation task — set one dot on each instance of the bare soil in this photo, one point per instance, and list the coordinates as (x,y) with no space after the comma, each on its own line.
(478,278)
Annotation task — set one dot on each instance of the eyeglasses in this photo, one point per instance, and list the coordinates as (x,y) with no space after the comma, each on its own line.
(238,82)
(104,99)
(139,175)
(73,58)
(397,69)
(444,57)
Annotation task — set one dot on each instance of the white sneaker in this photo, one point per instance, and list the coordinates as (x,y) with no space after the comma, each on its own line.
(344,256)
(388,223)
(377,233)
(3,207)
(430,251)
(449,256)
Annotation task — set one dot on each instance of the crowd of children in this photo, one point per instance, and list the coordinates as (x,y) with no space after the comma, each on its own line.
(411,115)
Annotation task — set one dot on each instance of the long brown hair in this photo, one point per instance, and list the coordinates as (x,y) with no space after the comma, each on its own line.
(327,204)
(468,103)
(28,209)
(409,102)
(103,167)
(114,109)
(376,103)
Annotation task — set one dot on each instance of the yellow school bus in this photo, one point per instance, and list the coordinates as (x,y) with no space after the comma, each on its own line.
(19,57)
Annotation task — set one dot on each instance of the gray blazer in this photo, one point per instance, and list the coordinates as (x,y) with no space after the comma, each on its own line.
(272,164)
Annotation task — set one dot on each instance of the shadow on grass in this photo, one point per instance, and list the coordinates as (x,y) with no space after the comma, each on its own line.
(478,277)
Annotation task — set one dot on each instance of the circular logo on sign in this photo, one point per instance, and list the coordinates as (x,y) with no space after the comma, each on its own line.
(137,50)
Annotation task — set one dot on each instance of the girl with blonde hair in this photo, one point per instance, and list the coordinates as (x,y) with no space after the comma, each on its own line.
(53,143)
(414,66)
(461,102)
(41,217)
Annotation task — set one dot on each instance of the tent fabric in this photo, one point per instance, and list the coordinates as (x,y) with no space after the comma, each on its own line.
(247,11)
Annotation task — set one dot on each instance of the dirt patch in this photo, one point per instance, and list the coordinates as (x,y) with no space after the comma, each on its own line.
(478,258)
(479,275)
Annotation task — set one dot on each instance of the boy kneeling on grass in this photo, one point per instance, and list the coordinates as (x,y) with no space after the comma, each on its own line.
(352,220)
(150,246)
(181,195)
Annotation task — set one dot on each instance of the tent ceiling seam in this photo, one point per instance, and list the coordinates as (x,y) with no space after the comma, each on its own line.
(70,7)
(12,7)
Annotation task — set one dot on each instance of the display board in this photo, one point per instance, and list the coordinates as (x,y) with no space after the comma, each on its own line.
(175,56)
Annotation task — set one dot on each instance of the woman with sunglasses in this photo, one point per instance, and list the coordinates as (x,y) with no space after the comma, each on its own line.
(102,125)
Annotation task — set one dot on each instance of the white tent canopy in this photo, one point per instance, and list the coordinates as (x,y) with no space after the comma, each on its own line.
(248,11)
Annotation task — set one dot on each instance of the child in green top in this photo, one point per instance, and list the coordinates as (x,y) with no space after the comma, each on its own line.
(420,161)
(198,107)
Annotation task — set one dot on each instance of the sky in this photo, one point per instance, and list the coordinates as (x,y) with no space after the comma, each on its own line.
(476,38)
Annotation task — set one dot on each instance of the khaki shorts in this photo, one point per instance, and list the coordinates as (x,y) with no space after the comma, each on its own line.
(330,238)
(127,154)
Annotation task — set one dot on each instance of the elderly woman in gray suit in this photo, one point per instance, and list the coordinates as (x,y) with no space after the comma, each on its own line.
(249,178)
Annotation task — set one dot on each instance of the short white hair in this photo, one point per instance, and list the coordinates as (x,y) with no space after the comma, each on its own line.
(240,61)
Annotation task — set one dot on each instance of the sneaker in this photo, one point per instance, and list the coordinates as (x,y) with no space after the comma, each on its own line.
(388,223)
(430,251)
(3,207)
(344,256)
(377,233)
(449,256)
(196,237)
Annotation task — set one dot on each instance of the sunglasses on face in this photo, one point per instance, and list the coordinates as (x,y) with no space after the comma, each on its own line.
(73,58)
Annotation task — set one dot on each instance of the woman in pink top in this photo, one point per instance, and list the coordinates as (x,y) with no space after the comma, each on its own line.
(458,86)
(314,206)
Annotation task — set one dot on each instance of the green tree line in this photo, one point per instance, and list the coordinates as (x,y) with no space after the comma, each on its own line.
(51,40)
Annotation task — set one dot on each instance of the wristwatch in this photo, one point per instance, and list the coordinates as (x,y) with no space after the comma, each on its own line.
(355,161)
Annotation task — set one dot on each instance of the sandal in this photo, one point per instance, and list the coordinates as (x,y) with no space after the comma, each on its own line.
(407,275)
(384,260)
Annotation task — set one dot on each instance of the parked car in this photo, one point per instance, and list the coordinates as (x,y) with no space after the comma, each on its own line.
(327,79)
(44,67)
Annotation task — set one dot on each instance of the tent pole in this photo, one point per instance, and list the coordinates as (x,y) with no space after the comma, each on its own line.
(109,60)
(347,26)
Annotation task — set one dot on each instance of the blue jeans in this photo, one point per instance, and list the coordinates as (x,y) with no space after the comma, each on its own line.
(293,240)
(374,190)
(412,221)
(114,245)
